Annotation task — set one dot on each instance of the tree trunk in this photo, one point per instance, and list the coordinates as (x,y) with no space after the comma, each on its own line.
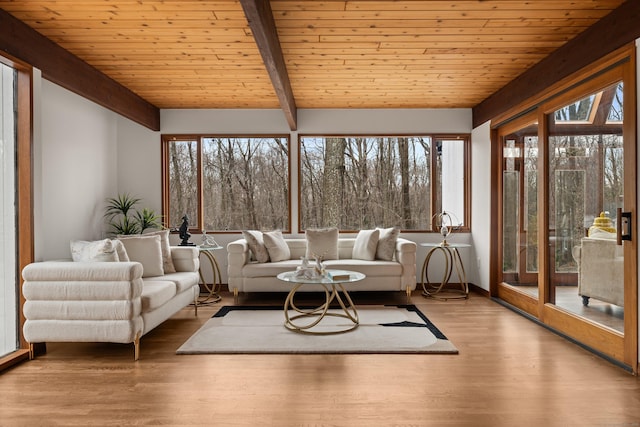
(403,150)
(175,186)
(333,182)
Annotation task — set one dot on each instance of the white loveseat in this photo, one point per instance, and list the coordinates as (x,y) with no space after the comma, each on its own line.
(70,301)
(398,274)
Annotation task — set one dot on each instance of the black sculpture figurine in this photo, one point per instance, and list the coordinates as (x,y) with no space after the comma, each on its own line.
(184,233)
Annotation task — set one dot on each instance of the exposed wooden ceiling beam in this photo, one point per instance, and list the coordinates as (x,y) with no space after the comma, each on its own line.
(610,33)
(263,26)
(67,70)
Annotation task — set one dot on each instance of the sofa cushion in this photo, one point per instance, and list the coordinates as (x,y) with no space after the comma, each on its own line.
(387,243)
(182,280)
(369,268)
(147,251)
(269,269)
(322,243)
(366,244)
(256,245)
(156,294)
(97,251)
(276,246)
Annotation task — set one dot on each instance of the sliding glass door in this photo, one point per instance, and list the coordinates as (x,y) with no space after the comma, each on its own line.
(8,259)
(566,251)
(586,189)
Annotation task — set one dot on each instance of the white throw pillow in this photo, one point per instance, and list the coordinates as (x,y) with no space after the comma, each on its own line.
(276,246)
(366,245)
(322,243)
(256,245)
(147,251)
(165,245)
(387,243)
(121,251)
(96,251)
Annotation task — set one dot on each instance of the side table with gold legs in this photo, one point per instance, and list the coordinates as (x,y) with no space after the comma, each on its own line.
(216,283)
(305,320)
(452,260)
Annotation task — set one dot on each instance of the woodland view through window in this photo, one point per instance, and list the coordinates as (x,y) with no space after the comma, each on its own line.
(232,183)
(357,182)
(227,183)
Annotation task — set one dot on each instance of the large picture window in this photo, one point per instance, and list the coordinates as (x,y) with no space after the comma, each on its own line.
(354,182)
(226,183)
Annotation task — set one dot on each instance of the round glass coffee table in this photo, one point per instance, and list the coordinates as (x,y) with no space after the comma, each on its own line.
(334,290)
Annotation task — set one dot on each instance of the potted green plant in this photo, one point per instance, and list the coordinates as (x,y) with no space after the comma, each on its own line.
(123,218)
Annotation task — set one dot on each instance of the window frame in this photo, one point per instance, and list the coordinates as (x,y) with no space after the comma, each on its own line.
(465,137)
(24,196)
(198,137)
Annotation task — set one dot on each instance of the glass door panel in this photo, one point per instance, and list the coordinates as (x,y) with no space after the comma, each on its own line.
(585,189)
(519,209)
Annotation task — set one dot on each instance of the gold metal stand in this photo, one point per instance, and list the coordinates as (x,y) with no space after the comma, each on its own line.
(216,283)
(451,260)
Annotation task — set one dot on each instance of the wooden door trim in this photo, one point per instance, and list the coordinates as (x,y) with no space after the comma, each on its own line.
(592,334)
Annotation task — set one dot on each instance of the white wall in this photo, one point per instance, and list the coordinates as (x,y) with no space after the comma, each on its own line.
(138,146)
(75,143)
(480,202)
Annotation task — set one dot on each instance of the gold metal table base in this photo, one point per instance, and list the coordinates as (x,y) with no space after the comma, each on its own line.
(315,315)
(216,283)
(440,290)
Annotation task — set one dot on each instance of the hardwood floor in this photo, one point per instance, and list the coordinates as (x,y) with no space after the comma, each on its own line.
(510,372)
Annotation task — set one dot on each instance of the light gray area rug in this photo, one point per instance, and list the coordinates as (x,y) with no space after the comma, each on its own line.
(260,329)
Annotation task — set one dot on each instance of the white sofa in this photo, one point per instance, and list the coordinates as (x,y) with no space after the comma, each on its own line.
(245,275)
(600,270)
(70,301)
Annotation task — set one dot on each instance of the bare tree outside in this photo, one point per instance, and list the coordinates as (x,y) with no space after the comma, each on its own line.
(357,182)
(232,183)
(333,182)
(183,182)
(245,182)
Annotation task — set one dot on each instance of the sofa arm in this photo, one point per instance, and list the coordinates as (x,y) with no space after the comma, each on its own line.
(83,302)
(185,258)
(406,256)
(82,281)
(237,256)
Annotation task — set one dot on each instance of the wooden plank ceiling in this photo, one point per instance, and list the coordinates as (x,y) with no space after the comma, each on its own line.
(338,54)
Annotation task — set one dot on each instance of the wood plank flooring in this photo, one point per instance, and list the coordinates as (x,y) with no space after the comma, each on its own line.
(510,372)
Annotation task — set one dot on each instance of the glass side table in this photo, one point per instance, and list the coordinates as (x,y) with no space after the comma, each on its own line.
(216,283)
(452,261)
